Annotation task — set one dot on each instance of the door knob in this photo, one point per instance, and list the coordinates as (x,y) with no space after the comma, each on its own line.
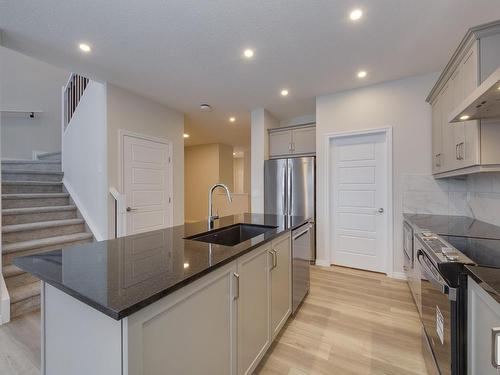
(381,210)
(131,209)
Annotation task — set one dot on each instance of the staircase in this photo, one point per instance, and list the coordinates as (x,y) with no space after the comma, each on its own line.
(37,216)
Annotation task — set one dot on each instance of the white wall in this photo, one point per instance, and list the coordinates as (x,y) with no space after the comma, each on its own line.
(85,159)
(261,120)
(398,104)
(299,120)
(30,85)
(132,112)
(4,293)
(477,196)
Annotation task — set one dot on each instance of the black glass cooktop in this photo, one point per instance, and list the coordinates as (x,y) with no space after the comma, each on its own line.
(484,252)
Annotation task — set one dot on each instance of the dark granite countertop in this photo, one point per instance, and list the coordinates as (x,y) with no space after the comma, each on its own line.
(121,276)
(488,278)
(458,226)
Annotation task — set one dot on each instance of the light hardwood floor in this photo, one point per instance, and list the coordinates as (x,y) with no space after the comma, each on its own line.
(352,322)
(20,346)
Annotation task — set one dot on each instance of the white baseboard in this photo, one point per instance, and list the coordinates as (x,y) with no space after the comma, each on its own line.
(93,228)
(398,275)
(322,263)
(4,302)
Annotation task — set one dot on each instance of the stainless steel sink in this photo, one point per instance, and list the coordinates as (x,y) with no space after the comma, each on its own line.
(232,235)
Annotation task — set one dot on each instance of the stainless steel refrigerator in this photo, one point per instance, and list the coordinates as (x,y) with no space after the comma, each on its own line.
(289,189)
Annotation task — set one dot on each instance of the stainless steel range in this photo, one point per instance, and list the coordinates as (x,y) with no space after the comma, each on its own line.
(443,309)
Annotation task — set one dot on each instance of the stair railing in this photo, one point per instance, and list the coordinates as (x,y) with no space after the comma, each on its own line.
(72,94)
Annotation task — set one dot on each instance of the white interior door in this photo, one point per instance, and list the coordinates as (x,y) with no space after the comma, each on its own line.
(147,184)
(358,214)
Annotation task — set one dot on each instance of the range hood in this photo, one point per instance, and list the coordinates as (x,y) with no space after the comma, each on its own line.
(483,103)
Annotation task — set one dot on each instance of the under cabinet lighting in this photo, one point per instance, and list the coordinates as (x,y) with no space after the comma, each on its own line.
(464,117)
(186,135)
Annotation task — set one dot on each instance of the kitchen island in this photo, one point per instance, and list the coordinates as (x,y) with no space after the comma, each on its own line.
(157,302)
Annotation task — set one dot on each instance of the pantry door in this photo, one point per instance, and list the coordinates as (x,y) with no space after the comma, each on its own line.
(359,219)
(147,183)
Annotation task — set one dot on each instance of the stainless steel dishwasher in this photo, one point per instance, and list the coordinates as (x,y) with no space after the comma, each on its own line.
(301,253)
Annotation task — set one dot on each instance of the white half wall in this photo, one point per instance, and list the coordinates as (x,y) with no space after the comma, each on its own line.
(4,293)
(129,111)
(261,120)
(30,85)
(84,159)
(398,104)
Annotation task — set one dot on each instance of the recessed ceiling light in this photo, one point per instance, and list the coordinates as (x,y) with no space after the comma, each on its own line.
(234,153)
(464,117)
(186,135)
(284,92)
(362,74)
(248,53)
(356,14)
(232,119)
(84,47)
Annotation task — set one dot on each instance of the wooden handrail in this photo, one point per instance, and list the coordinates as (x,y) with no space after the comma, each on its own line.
(120,212)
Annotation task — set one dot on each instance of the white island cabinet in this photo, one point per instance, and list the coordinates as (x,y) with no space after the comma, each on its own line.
(222,323)
(483,331)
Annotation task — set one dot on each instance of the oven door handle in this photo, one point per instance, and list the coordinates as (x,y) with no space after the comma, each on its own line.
(437,281)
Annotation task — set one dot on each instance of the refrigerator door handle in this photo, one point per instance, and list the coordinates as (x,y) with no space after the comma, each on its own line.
(289,189)
(284,193)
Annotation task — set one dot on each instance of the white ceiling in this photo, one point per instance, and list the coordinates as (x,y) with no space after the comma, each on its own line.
(186,52)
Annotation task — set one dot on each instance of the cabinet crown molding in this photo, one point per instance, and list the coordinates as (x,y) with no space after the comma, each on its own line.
(472,35)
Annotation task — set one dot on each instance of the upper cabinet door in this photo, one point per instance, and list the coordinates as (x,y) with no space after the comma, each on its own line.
(280,143)
(304,140)
(437,137)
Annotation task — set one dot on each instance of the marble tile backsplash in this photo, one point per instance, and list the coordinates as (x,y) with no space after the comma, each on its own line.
(476,196)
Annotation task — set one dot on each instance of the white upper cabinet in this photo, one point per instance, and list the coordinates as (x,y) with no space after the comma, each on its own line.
(280,143)
(464,147)
(304,140)
(297,140)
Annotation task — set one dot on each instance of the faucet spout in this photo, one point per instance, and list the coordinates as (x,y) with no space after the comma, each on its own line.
(211,216)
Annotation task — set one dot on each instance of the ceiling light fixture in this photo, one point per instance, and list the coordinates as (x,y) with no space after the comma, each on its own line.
(232,119)
(356,14)
(284,92)
(186,135)
(464,117)
(186,265)
(362,74)
(84,47)
(206,107)
(234,153)
(248,53)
